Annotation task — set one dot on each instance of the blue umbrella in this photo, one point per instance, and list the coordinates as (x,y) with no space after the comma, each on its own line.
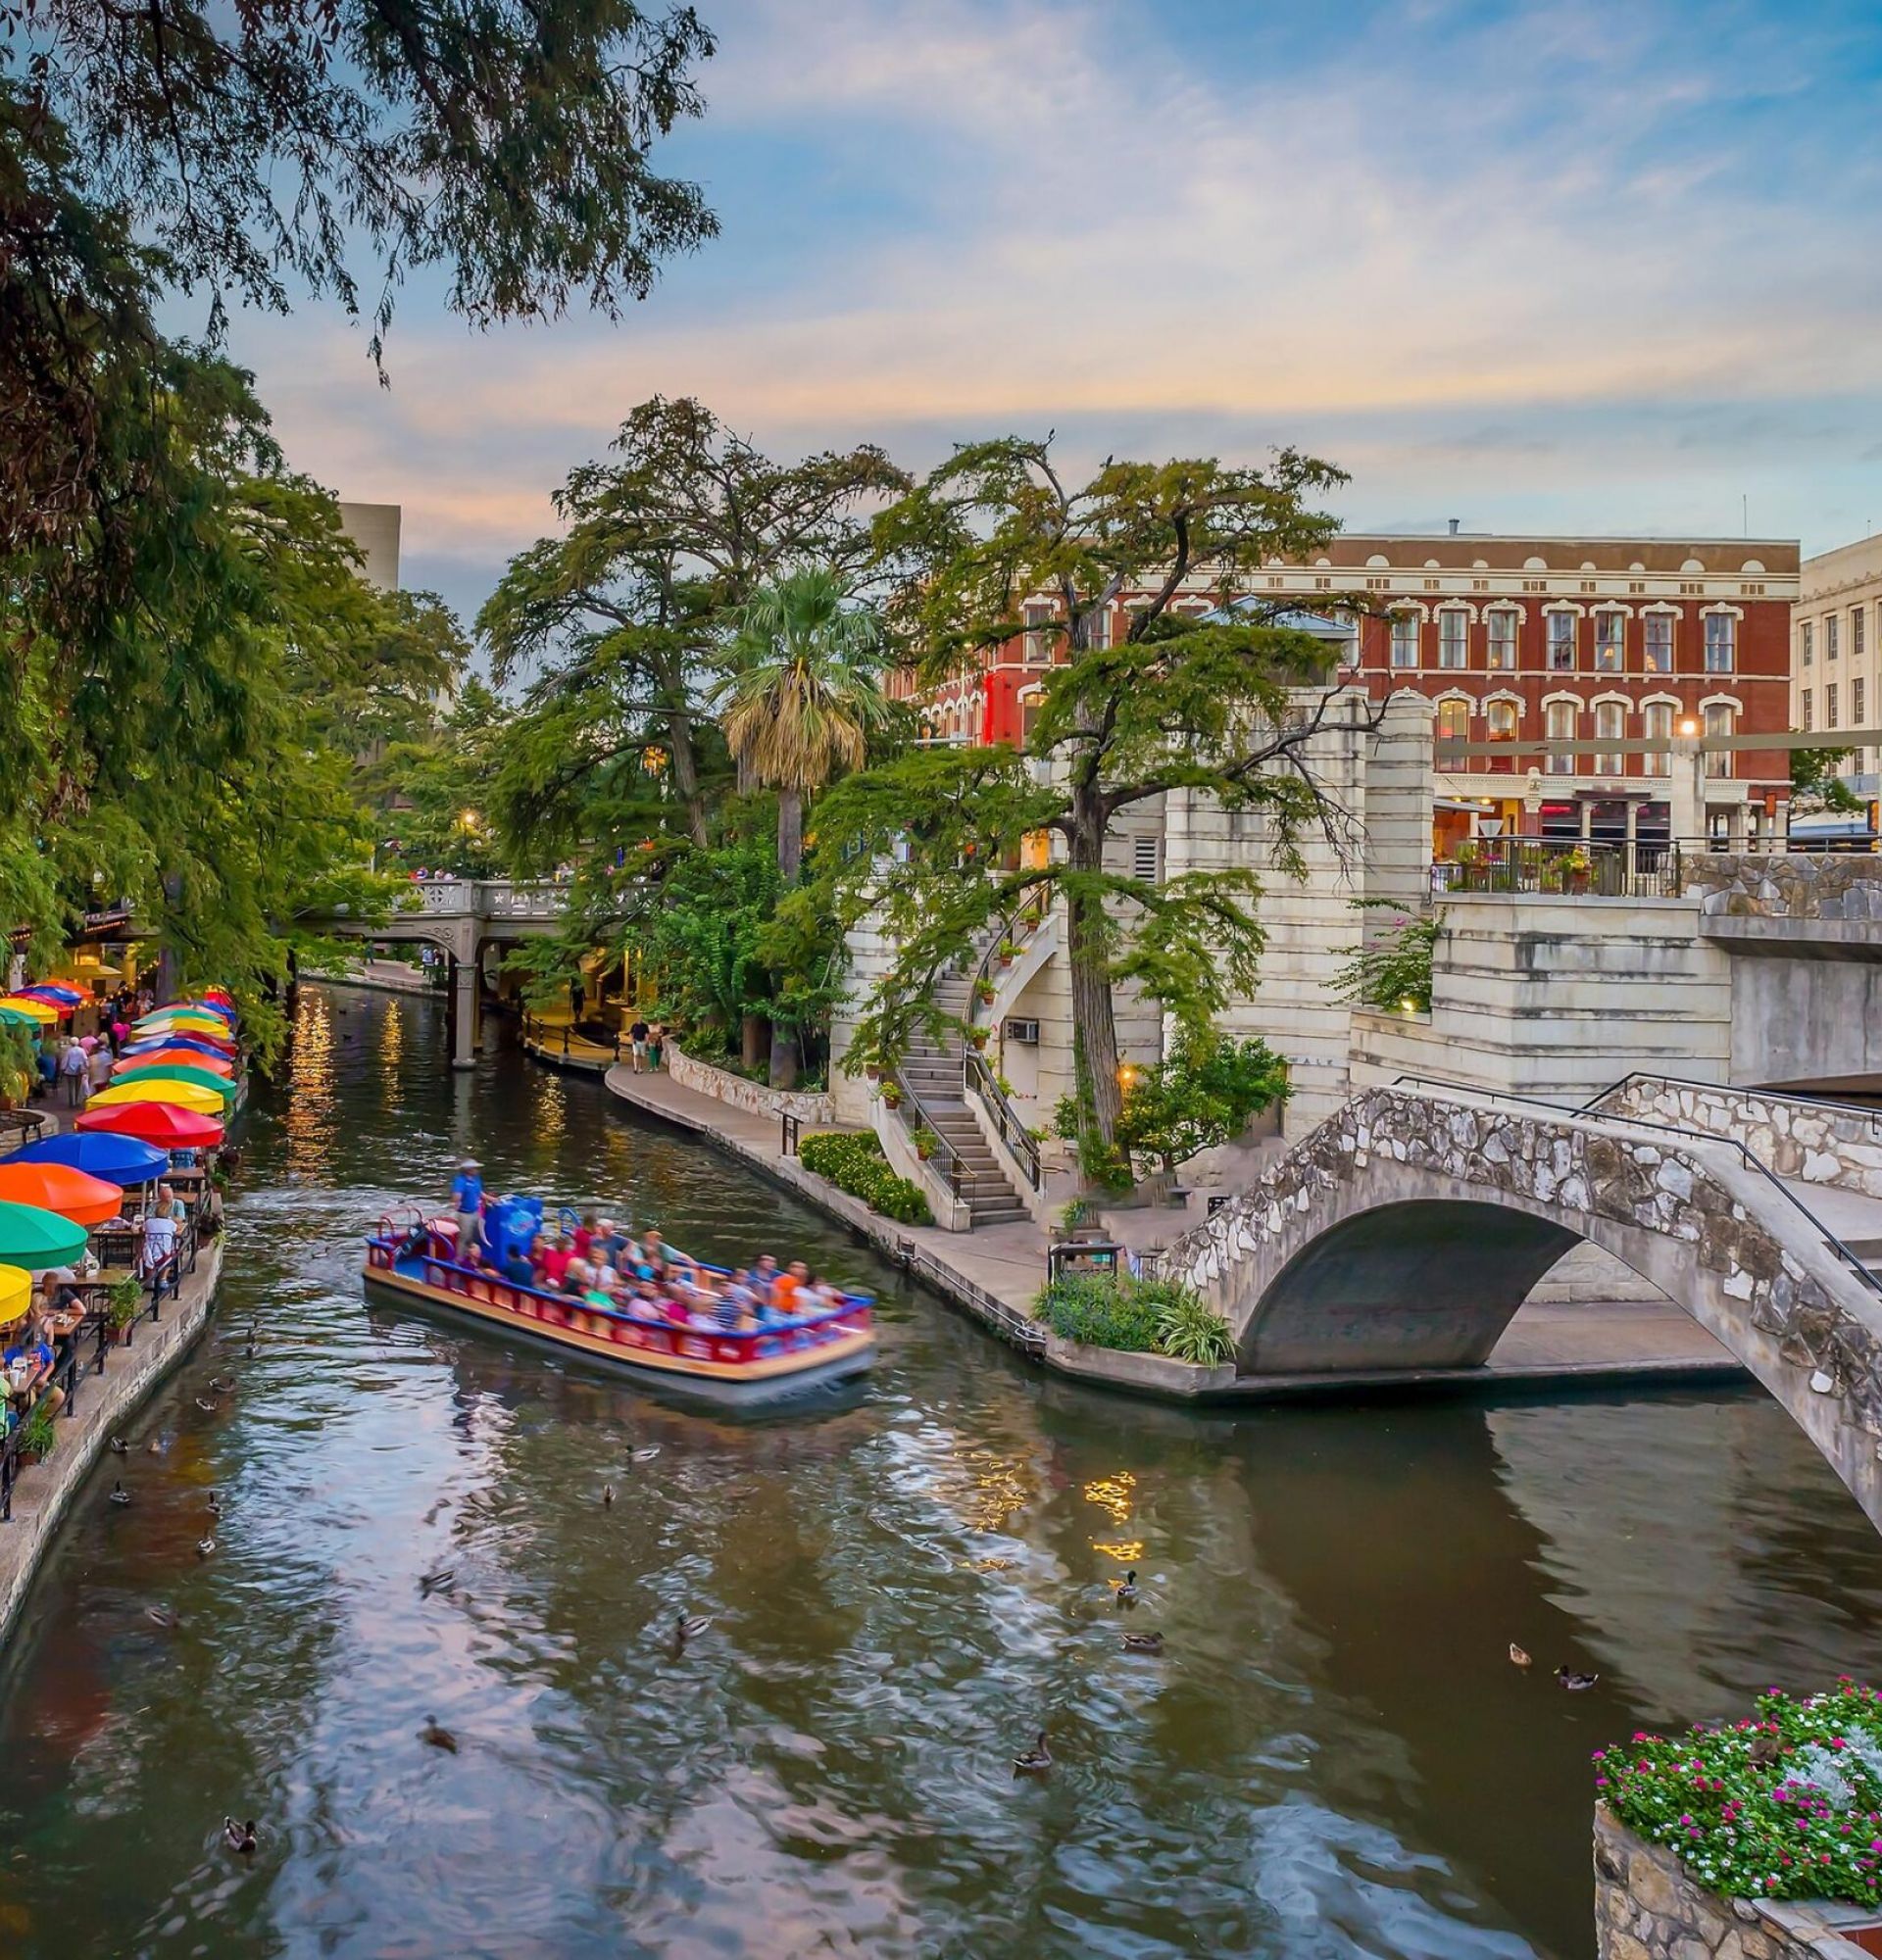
(157,1041)
(119,1160)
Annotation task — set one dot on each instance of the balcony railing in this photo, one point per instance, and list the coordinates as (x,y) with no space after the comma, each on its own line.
(1535,865)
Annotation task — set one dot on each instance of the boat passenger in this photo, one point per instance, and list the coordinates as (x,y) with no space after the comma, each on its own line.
(520,1268)
(785,1288)
(576,1277)
(467,1198)
(764,1279)
(584,1235)
(552,1261)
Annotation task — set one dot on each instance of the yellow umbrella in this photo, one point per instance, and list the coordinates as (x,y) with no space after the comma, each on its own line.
(16,1294)
(37,1010)
(161,1088)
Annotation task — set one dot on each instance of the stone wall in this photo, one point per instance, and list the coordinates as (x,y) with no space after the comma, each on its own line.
(807,1105)
(1816,1142)
(1800,885)
(1648,1908)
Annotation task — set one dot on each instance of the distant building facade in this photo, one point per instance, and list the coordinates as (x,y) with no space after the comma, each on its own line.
(374,528)
(1837,622)
(1518,640)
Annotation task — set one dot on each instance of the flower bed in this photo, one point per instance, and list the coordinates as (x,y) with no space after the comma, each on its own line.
(1135,1317)
(1787,1806)
(854,1162)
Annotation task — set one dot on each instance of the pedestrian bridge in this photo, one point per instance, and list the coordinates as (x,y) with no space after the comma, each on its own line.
(1404,1233)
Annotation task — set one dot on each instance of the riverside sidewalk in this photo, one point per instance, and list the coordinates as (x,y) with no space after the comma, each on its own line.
(994,1274)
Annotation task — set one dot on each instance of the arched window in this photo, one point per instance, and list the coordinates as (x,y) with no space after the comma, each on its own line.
(1453,721)
(1610,725)
(1721,718)
(1500,718)
(1559,726)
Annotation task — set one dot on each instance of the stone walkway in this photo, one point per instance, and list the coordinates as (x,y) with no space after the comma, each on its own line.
(1005,1264)
(103,1404)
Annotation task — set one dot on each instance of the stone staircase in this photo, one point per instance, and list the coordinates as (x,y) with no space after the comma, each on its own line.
(932,1072)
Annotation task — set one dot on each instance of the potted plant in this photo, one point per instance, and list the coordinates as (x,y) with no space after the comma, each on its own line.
(978,1037)
(984,992)
(38,1436)
(1577,868)
(892,1095)
(925,1142)
(123,1303)
(1007,951)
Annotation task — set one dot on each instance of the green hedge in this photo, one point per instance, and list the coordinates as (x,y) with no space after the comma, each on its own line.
(1136,1317)
(854,1162)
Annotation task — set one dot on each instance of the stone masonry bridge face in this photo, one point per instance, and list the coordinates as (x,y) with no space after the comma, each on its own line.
(1405,1232)
(461,913)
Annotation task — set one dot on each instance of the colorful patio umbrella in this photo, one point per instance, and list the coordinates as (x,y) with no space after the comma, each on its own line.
(208,1007)
(35,1010)
(165,1124)
(51,990)
(169,1031)
(16,1294)
(168,1058)
(34,1238)
(173,1071)
(216,1045)
(85,1200)
(99,1153)
(15,1018)
(161,1089)
(221,995)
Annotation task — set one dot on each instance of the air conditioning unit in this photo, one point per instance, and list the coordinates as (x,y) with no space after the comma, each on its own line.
(1017,1030)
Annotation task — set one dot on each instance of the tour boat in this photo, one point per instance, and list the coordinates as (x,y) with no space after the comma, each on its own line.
(412,1258)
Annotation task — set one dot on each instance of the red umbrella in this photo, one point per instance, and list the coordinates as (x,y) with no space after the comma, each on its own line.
(165,1124)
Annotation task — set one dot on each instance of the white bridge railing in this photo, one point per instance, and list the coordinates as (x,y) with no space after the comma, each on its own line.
(489,898)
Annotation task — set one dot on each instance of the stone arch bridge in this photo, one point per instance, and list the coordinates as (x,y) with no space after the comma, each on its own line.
(1405,1232)
(462,915)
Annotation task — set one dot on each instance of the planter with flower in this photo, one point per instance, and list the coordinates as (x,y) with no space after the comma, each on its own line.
(1007,950)
(892,1095)
(926,1143)
(37,1436)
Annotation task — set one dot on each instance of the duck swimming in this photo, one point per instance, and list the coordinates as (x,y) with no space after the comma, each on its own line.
(119,1495)
(1127,1589)
(1036,1761)
(438,1738)
(1143,1643)
(239,1836)
(1575,1684)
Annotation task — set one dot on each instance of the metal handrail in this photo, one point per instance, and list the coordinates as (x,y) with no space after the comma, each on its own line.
(1540,865)
(1006,1120)
(1750,1158)
(957,1170)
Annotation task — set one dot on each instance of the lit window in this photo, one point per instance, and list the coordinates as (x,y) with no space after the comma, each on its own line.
(1610,629)
(1659,643)
(1038,641)
(1405,639)
(1806,644)
(1503,641)
(1562,643)
(1500,715)
(1721,642)
(1610,725)
(1453,721)
(1805,718)
(1720,720)
(1452,627)
(1561,728)
(1831,719)
(1657,725)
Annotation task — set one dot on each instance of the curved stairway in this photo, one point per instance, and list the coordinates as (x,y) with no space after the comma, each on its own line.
(934,1073)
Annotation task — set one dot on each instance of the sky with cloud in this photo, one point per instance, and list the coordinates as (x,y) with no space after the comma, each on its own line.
(1587,264)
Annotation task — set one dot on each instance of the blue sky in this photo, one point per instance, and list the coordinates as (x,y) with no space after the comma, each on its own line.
(1589,264)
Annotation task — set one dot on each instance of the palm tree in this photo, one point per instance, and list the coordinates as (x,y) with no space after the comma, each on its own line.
(799,705)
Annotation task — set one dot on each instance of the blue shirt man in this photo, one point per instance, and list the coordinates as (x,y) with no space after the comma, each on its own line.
(466,1194)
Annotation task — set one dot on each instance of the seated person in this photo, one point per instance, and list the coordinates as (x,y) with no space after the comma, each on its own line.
(29,1362)
(575,1278)
(763,1277)
(552,1261)
(785,1288)
(520,1268)
(583,1237)
(611,1240)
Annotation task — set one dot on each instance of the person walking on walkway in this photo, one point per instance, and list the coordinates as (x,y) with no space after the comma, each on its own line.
(74,1066)
(637,1034)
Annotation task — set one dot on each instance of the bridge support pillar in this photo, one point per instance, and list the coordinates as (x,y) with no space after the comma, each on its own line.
(464,1014)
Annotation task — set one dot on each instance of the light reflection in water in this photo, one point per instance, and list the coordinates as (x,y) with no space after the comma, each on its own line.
(1333,1757)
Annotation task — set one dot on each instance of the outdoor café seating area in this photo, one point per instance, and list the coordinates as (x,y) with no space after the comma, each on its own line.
(101,1222)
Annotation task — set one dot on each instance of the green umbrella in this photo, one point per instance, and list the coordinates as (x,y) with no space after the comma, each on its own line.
(15,1018)
(36,1239)
(202,1078)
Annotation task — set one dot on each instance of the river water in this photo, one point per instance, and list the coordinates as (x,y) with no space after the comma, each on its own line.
(1333,1757)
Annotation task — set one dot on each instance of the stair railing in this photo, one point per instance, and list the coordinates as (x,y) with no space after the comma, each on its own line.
(953,1169)
(1004,1118)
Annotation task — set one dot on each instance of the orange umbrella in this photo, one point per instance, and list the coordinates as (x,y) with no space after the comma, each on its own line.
(173,1057)
(56,1187)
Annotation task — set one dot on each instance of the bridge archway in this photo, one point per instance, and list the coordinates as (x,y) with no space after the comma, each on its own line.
(1405,1232)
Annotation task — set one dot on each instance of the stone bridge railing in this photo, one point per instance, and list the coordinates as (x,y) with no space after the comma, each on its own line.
(1719,1237)
(1836,887)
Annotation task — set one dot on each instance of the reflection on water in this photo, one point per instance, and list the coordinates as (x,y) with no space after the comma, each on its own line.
(1333,1757)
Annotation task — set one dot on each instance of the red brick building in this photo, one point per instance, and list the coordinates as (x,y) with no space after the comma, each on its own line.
(1518,639)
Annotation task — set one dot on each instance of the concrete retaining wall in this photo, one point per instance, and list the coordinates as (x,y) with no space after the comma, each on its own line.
(807,1105)
(104,1404)
(1648,1908)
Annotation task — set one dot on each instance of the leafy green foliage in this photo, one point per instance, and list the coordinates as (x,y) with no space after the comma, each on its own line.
(1135,1317)
(509,140)
(1787,1806)
(1205,1093)
(1390,972)
(433,789)
(18,1060)
(1178,704)
(853,1162)
(1815,785)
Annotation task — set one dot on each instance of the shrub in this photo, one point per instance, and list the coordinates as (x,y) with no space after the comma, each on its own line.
(38,1436)
(1135,1317)
(1783,1806)
(1392,973)
(854,1162)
